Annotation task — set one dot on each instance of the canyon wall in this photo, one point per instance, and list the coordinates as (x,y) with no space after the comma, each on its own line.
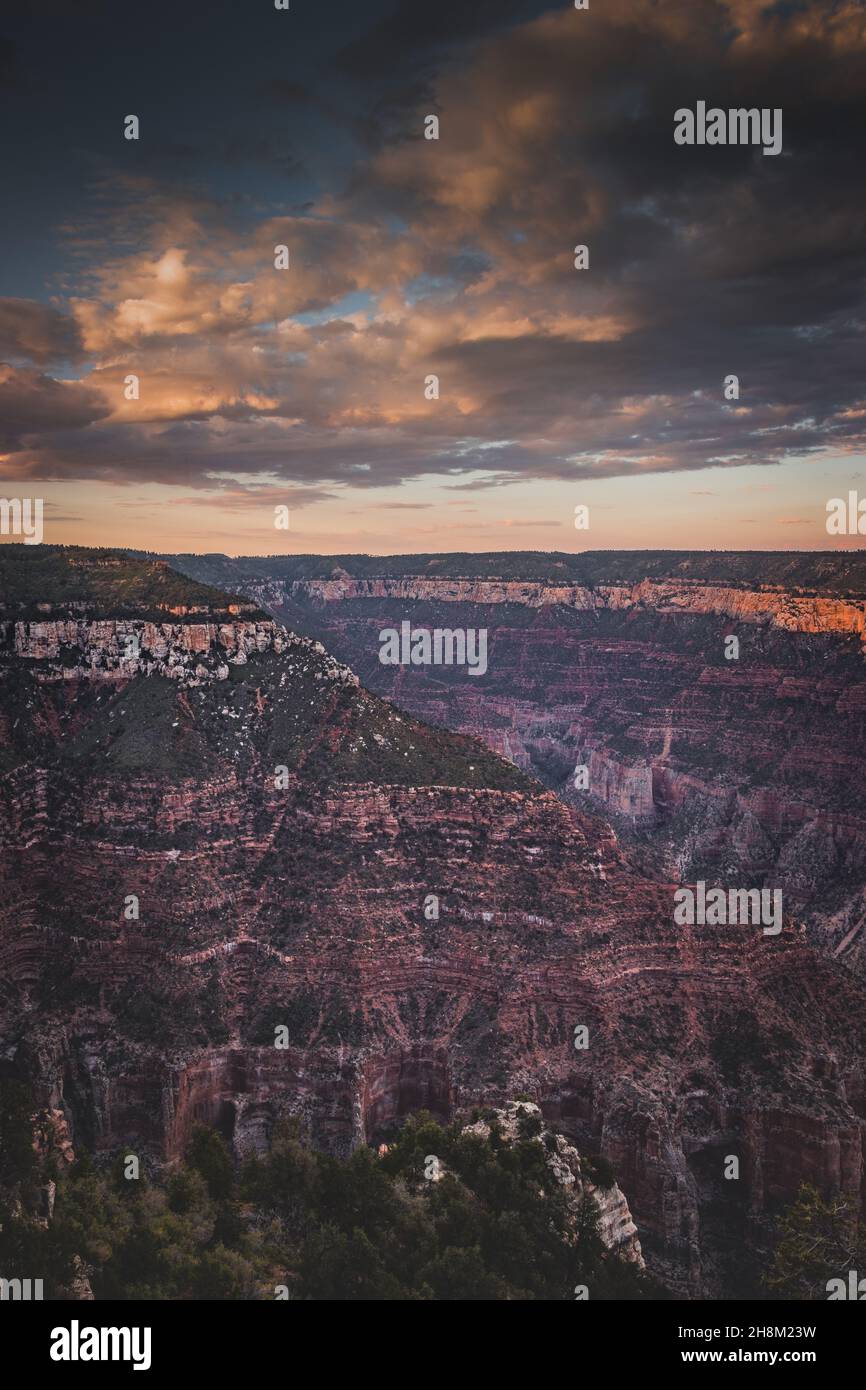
(228,900)
(261,909)
(744,771)
(790,612)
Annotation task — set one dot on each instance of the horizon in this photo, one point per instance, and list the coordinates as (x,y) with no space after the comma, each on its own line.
(828,553)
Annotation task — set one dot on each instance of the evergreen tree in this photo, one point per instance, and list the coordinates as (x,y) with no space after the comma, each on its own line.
(818,1240)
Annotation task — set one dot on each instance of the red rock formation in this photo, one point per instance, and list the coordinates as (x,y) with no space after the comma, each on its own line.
(309,907)
(749,770)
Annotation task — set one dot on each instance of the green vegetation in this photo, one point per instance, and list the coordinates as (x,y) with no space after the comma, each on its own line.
(599,1170)
(496,1225)
(335,733)
(17,1159)
(279,709)
(741,1048)
(818,1240)
(141,728)
(828,572)
(107,582)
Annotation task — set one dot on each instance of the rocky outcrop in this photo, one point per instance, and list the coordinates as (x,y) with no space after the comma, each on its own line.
(616,1227)
(120,649)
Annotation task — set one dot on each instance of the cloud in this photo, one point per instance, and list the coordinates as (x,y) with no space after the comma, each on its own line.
(37,332)
(412,35)
(454,258)
(33,404)
(249,499)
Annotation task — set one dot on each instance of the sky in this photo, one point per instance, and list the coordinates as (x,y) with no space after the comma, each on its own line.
(309,387)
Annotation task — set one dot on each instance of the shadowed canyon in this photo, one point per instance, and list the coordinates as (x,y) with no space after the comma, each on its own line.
(222,816)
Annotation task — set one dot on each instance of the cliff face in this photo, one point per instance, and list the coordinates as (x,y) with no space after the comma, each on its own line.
(124,648)
(616,1227)
(120,649)
(791,612)
(745,770)
(231,899)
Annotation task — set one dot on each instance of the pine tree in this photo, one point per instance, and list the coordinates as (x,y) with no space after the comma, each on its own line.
(818,1240)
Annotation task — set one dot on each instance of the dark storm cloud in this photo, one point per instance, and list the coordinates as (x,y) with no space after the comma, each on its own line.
(199,453)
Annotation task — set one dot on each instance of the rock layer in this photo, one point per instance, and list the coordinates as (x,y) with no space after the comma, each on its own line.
(394,918)
(746,771)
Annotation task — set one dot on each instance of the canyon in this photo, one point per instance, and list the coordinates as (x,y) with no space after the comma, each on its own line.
(746,772)
(295,901)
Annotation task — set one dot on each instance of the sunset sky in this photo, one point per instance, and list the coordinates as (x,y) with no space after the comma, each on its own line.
(410,257)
